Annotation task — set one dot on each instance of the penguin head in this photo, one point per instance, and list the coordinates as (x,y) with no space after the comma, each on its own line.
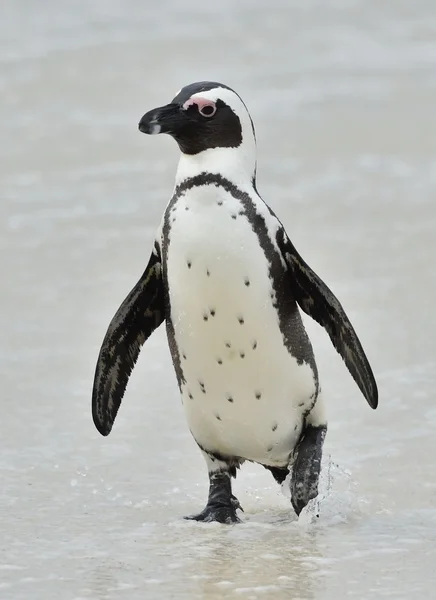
(211,124)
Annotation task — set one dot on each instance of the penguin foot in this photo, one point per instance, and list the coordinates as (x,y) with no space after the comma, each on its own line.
(307,466)
(220,514)
(222,504)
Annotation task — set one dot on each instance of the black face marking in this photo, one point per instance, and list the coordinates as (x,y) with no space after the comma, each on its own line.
(247,281)
(195,133)
(258,395)
(242,354)
(241,320)
(274,427)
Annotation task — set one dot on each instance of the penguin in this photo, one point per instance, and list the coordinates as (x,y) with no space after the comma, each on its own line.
(229,284)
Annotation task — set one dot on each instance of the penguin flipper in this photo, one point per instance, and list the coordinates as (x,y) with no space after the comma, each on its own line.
(138,316)
(319,302)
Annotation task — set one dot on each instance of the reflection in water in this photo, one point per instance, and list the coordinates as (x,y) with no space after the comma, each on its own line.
(275,561)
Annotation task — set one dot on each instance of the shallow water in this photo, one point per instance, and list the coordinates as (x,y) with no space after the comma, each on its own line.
(343,96)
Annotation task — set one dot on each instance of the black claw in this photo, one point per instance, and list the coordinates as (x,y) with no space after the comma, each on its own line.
(219,514)
(235,503)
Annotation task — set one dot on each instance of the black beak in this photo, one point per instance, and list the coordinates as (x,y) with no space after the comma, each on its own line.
(165,119)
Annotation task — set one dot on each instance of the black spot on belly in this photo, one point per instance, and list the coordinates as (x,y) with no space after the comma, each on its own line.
(228,345)
(184,356)
(274,427)
(241,320)
(229,398)
(254,346)
(189,263)
(219,361)
(269,448)
(218,417)
(233,216)
(258,395)
(296,427)
(241,212)
(247,281)
(219,202)
(201,384)
(190,396)
(301,403)
(212,312)
(205,317)
(208,272)
(242,354)
(186,207)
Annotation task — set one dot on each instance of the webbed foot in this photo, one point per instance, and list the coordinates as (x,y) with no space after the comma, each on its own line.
(221,514)
(222,504)
(307,466)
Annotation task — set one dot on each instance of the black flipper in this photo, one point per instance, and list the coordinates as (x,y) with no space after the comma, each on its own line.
(319,302)
(307,466)
(138,316)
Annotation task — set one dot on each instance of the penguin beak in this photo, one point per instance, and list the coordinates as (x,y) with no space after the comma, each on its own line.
(165,119)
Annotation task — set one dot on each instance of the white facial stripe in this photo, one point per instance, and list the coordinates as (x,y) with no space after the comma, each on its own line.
(200,101)
(227,96)
(155,128)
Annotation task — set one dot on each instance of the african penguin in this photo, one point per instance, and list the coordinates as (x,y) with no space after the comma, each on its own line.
(229,283)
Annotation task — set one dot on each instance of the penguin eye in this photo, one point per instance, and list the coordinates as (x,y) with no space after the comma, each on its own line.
(207,110)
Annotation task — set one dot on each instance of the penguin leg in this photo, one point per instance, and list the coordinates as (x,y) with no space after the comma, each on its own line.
(221,504)
(307,463)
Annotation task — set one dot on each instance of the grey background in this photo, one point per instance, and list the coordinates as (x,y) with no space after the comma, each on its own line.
(343,97)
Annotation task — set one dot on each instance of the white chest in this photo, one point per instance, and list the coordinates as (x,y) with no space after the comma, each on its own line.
(244,393)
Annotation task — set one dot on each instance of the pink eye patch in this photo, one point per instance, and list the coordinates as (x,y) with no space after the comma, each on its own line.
(201,104)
